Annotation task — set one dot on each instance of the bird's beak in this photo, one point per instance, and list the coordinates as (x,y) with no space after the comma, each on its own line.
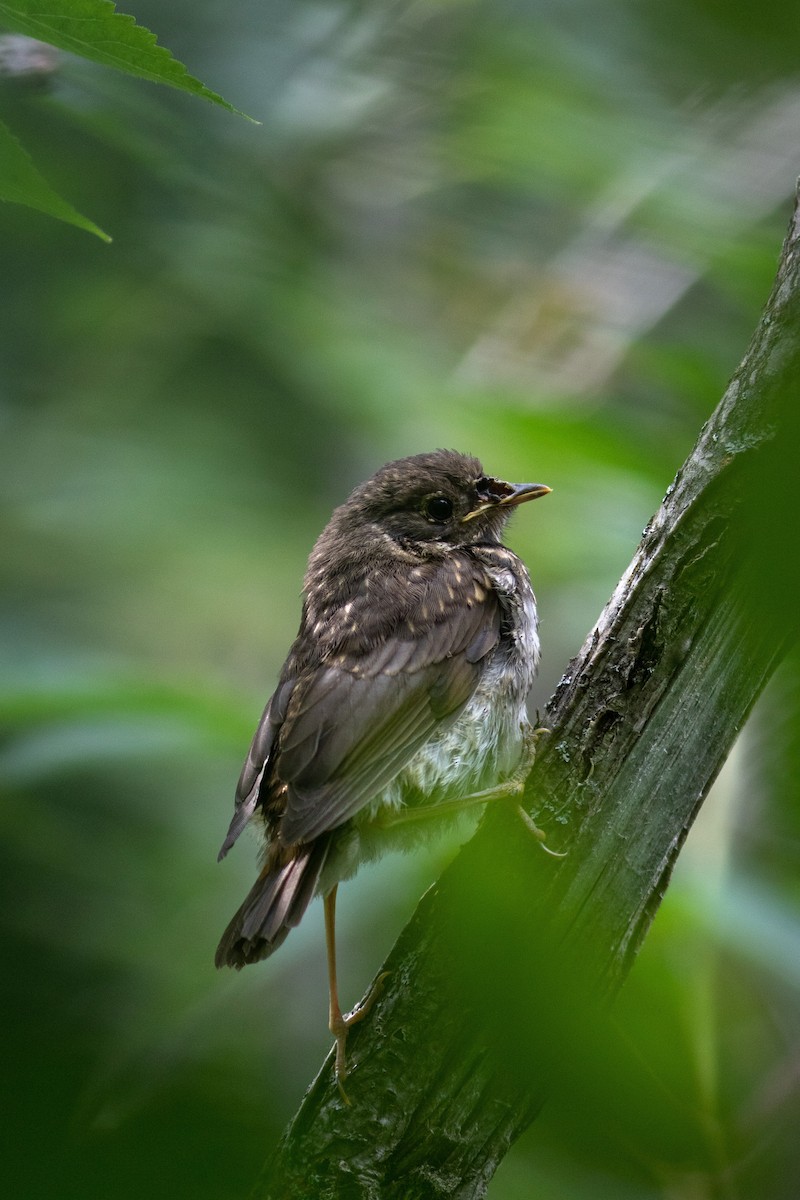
(494,493)
(520,492)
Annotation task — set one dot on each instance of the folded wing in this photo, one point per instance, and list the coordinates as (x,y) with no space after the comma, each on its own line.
(340,729)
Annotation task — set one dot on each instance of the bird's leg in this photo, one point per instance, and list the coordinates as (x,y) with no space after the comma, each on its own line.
(407,816)
(339,1022)
(519,779)
(509,789)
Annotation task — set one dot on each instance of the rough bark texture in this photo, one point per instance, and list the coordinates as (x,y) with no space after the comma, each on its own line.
(457,1056)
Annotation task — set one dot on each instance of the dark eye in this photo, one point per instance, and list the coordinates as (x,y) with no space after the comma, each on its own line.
(438,508)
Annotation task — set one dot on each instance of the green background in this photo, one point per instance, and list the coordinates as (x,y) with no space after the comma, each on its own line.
(541,233)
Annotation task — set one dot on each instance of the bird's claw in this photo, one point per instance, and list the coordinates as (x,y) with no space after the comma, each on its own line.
(341,1024)
(518,781)
(538,833)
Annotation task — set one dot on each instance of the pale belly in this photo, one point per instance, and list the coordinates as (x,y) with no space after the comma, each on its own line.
(482,748)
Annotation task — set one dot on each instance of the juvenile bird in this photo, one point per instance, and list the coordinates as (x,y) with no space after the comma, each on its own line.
(402,698)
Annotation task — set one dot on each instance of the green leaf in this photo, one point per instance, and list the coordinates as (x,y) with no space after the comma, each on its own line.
(95,30)
(21,183)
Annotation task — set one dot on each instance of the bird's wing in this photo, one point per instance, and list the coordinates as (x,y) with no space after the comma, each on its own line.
(335,734)
(248,789)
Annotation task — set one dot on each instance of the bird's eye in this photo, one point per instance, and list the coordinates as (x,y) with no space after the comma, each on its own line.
(438,508)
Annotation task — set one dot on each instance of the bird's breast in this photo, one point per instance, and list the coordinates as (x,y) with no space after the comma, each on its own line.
(484,744)
(481,748)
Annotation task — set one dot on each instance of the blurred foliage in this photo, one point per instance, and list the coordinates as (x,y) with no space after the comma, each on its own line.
(94,30)
(541,233)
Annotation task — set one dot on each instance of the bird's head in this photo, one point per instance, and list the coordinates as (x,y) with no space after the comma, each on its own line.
(442,499)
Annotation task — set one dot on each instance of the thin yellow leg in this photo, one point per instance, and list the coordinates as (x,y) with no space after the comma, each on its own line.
(335,1017)
(339,1022)
(407,816)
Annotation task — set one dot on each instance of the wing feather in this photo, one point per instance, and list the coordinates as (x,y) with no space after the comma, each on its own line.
(340,727)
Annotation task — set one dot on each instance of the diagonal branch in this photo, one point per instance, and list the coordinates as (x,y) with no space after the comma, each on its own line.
(511,955)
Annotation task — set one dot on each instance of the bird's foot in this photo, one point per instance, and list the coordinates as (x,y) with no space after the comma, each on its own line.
(529,739)
(516,786)
(340,1024)
(539,834)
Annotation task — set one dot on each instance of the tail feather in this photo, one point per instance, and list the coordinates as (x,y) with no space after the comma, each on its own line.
(274,905)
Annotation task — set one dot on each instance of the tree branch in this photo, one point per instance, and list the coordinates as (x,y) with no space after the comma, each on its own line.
(509,958)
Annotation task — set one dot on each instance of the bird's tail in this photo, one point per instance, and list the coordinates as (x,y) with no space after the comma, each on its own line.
(274,905)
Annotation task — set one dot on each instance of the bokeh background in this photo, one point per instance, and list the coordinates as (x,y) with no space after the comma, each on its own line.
(539,232)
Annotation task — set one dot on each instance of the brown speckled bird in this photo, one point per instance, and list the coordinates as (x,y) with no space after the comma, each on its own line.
(403,696)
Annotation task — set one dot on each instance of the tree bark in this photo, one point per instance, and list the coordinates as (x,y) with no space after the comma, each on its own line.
(511,956)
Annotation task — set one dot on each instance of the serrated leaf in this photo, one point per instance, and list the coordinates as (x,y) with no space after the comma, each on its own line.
(21,183)
(95,30)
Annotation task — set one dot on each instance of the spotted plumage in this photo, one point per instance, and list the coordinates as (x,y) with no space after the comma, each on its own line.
(404,687)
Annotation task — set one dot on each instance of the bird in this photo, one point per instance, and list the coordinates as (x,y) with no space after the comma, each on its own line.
(402,700)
